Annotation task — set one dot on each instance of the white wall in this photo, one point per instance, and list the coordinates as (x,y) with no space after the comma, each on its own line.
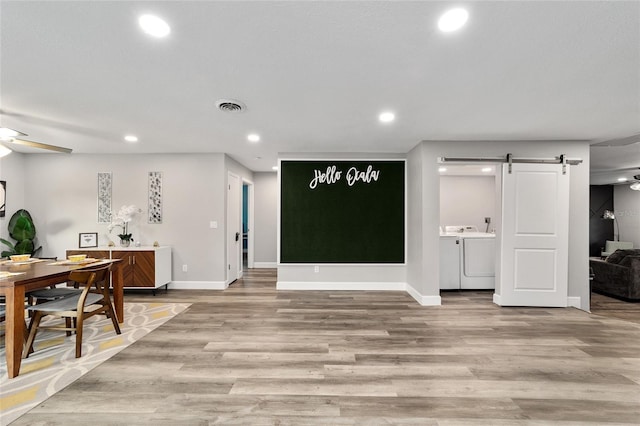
(266,216)
(423,268)
(238,169)
(626,205)
(467,200)
(421,233)
(61,193)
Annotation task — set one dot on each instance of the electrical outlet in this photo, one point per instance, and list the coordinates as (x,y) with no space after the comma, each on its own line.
(487,220)
(316,269)
(184,268)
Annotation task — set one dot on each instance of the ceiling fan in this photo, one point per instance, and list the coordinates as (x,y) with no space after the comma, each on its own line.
(10,136)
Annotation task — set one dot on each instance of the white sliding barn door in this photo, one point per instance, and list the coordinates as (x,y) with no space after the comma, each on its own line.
(535,233)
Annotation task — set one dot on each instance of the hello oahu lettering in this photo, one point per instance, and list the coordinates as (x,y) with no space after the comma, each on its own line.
(353,176)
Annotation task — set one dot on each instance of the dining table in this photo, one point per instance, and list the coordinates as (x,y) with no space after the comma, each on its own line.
(18,278)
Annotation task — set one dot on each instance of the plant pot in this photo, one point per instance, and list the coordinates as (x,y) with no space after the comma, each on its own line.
(125,243)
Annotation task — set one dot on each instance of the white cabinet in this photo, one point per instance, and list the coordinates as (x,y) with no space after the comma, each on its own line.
(449,263)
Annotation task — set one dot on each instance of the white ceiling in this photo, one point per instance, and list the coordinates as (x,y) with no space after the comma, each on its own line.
(315,76)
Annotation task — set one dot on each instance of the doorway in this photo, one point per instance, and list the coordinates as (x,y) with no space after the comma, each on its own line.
(531,262)
(469,210)
(234,235)
(247,224)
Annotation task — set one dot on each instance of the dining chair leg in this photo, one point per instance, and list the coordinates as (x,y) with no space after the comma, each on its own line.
(67,323)
(79,325)
(26,339)
(112,314)
(33,329)
(26,332)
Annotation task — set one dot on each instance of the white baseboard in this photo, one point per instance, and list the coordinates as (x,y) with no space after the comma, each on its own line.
(313,285)
(360,286)
(265,265)
(423,300)
(198,285)
(571,301)
(574,302)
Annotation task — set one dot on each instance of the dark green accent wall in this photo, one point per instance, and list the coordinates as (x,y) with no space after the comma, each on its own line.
(338,223)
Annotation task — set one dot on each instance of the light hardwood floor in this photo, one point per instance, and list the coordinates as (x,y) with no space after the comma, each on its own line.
(254,355)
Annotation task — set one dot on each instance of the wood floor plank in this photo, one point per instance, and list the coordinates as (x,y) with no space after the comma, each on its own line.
(252,355)
(547,389)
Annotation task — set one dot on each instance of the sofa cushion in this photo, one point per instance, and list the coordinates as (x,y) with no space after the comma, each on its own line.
(618,255)
(626,261)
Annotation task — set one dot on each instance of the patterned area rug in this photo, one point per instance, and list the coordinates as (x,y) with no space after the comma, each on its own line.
(53,365)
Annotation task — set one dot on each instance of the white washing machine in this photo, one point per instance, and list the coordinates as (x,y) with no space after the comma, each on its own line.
(467,261)
(477,261)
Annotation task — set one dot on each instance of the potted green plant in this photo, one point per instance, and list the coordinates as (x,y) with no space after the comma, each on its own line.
(21,229)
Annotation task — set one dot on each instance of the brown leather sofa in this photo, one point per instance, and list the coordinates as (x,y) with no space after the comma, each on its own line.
(618,275)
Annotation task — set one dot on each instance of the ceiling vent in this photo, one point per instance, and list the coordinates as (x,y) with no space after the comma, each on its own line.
(230,105)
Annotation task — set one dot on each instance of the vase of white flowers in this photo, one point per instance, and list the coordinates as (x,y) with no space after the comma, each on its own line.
(122,219)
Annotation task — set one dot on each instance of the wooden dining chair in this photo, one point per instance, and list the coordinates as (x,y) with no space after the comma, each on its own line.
(53,292)
(94,299)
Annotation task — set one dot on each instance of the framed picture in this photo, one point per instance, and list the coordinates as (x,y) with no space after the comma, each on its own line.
(3,196)
(88,239)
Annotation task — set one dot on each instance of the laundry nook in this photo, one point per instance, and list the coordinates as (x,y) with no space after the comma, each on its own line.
(467,260)
(468,250)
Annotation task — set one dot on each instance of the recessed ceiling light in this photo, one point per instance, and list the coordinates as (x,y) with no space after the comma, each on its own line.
(253,137)
(275,168)
(442,169)
(486,169)
(453,20)
(622,179)
(131,138)
(154,26)
(386,117)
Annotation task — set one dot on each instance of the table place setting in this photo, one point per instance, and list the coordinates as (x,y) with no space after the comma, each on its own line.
(76,260)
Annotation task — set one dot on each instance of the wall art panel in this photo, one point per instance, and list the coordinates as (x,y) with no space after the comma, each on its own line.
(155,197)
(104,197)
